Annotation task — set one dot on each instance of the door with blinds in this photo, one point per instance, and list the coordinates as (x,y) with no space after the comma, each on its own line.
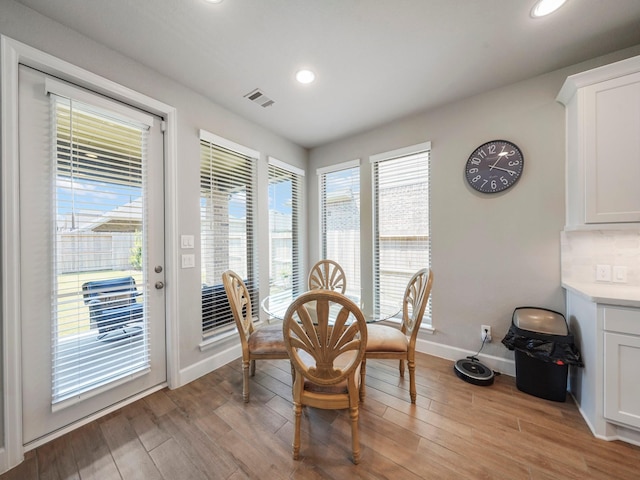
(92,253)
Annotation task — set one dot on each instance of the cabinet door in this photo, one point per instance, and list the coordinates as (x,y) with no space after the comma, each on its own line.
(612,150)
(621,385)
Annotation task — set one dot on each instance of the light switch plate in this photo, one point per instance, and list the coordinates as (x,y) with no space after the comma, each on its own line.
(188,260)
(186,241)
(620,274)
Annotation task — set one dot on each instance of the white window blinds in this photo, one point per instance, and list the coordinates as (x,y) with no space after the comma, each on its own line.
(285,202)
(401,222)
(100,329)
(228,175)
(340,221)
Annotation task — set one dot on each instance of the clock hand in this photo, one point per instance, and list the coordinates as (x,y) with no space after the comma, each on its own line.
(491,167)
(510,172)
(500,155)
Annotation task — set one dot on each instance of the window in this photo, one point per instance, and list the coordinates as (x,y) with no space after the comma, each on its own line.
(100,162)
(401,222)
(285,201)
(227,225)
(340,220)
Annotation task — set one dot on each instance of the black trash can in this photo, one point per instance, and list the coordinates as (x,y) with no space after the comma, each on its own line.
(544,349)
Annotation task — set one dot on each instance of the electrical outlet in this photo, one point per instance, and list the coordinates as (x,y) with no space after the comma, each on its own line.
(603,273)
(485,333)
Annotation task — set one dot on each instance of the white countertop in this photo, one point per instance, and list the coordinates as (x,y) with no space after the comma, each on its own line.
(612,294)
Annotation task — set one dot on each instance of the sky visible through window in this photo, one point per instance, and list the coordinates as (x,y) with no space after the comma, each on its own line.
(89,197)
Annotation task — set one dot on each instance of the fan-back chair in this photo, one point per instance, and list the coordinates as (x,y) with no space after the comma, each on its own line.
(257,343)
(326,347)
(329,275)
(400,343)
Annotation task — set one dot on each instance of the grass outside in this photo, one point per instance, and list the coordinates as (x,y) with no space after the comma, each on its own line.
(73,315)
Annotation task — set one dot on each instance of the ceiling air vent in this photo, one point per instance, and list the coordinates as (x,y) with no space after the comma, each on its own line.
(258,96)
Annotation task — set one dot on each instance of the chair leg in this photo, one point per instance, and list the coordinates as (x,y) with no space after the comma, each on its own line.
(253,368)
(245,381)
(412,380)
(297,411)
(401,368)
(355,440)
(363,374)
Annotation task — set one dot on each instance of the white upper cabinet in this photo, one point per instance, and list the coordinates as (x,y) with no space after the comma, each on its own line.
(603,144)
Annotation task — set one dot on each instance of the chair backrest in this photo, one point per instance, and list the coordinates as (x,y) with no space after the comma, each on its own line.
(240,303)
(416,297)
(110,293)
(325,334)
(328,275)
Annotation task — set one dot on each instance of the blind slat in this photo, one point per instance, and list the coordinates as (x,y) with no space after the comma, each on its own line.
(401,223)
(285,197)
(101,337)
(227,225)
(340,222)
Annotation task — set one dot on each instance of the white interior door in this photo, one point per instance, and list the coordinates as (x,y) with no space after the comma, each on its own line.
(92,253)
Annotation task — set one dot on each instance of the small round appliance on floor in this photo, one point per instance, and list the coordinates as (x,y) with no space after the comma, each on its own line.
(471,370)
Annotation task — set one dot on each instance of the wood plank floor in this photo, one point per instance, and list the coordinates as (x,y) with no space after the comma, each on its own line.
(456,431)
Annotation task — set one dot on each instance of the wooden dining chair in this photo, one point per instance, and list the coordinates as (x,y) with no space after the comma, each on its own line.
(326,348)
(400,343)
(329,275)
(257,343)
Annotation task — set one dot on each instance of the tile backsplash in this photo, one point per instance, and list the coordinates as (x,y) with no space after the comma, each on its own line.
(581,251)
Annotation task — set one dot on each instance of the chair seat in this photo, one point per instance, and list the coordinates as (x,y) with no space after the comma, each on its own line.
(267,340)
(381,338)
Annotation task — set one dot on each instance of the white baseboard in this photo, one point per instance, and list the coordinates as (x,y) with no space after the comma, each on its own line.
(208,365)
(620,432)
(497,364)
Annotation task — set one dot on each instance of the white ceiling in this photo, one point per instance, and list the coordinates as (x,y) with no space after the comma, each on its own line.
(375,60)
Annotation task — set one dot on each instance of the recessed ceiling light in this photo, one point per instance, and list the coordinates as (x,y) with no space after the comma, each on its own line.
(213,1)
(305,76)
(545,7)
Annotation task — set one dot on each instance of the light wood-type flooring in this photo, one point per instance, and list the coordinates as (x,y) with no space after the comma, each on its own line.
(456,431)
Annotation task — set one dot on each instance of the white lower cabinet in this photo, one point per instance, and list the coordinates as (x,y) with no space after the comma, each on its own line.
(607,388)
(621,361)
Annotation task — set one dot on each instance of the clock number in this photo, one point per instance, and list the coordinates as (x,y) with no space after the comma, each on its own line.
(475,161)
(476,178)
(482,154)
(494,185)
(504,180)
(473,170)
(484,183)
(492,149)
(513,163)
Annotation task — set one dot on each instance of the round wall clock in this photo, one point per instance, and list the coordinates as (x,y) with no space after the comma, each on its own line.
(494,166)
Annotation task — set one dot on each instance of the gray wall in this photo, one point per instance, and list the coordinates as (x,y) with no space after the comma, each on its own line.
(490,253)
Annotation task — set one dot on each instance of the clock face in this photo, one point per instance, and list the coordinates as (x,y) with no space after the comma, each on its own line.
(494,166)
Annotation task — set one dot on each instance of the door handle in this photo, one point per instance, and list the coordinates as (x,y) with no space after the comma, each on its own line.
(159,285)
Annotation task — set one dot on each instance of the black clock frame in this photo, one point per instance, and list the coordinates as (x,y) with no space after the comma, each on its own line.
(494,166)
